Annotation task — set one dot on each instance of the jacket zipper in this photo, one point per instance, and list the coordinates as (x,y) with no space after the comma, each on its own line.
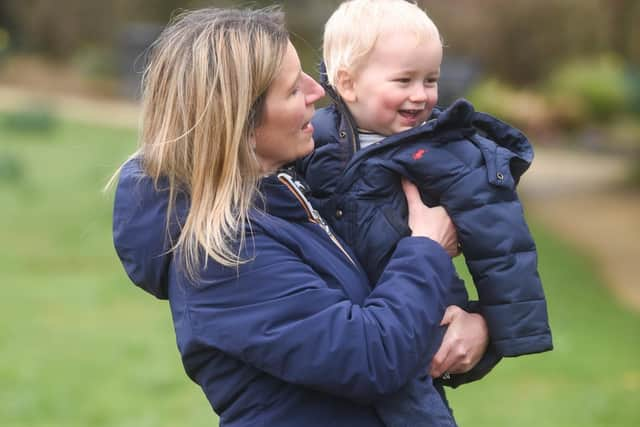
(312,214)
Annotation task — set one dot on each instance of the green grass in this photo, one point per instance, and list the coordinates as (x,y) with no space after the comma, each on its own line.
(81,346)
(591,378)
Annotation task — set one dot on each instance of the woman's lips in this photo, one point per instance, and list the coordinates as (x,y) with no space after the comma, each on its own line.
(307,128)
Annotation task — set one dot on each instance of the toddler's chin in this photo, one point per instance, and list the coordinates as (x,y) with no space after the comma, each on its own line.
(401,128)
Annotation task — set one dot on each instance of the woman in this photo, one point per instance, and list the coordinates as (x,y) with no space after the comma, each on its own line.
(274,319)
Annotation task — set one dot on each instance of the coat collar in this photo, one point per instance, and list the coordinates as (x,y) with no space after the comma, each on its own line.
(347,127)
(276,198)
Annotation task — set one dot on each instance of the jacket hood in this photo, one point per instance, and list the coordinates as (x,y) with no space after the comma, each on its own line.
(504,135)
(140,228)
(518,151)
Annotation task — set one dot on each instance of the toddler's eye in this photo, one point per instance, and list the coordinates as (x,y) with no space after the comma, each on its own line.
(403,80)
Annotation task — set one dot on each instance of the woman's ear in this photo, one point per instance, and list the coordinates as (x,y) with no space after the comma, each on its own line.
(346,86)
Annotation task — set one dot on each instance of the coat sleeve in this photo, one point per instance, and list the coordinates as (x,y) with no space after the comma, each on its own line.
(285,319)
(477,188)
(502,259)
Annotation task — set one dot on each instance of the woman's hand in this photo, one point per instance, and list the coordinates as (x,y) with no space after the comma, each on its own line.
(463,344)
(433,223)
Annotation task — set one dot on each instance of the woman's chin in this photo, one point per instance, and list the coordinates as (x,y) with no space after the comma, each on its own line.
(306,147)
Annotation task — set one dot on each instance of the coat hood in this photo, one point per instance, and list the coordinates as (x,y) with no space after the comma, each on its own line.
(140,233)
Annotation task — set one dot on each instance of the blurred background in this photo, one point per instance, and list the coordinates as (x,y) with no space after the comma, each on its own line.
(80,346)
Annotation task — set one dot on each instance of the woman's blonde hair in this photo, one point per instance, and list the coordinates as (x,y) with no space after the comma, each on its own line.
(203,92)
(351,32)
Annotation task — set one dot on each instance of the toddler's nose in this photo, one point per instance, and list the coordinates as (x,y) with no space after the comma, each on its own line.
(419,95)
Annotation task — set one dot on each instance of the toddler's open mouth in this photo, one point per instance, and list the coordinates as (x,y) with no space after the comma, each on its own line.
(410,114)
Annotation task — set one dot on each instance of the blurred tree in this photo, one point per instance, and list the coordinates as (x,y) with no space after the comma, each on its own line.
(6,21)
(623,14)
(520,40)
(58,28)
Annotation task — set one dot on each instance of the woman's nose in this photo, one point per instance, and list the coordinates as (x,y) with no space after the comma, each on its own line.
(313,90)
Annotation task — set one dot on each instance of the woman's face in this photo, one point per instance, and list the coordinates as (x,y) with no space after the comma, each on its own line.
(285,132)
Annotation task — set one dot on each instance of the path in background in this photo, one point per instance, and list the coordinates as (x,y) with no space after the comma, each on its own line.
(576,194)
(71,107)
(580,196)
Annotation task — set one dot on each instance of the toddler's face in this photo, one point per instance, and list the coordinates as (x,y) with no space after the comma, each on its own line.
(397,88)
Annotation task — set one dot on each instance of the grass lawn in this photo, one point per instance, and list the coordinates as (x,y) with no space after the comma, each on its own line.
(591,378)
(81,346)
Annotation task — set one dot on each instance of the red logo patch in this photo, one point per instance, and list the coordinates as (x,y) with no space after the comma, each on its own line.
(418,154)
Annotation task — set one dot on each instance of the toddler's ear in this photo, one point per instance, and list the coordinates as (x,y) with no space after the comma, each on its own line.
(345,85)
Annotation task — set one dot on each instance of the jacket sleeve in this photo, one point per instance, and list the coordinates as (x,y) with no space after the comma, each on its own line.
(481,198)
(285,319)
(502,258)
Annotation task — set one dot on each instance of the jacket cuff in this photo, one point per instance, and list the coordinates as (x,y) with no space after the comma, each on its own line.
(482,368)
(434,248)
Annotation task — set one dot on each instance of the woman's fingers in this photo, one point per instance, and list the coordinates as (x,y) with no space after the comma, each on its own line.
(449,314)
(452,357)
(440,363)
(463,344)
(444,357)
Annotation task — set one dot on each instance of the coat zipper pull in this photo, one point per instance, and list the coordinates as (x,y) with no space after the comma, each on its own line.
(313,215)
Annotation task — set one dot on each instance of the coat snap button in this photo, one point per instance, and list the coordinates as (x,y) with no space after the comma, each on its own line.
(500,176)
(339,213)
(343,134)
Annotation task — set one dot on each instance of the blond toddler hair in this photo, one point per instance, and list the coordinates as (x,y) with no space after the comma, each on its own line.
(353,29)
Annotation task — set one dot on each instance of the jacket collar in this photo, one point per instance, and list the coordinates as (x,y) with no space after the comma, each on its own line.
(277,199)
(347,127)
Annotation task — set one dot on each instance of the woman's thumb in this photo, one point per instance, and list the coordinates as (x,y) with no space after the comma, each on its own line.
(449,314)
(410,192)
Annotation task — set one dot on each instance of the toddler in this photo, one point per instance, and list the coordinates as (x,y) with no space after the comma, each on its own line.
(382,60)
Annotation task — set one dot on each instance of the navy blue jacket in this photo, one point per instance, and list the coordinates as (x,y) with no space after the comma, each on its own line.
(466,161)
(296,336)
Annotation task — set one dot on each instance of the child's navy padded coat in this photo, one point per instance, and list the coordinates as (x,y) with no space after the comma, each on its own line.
(466,161)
